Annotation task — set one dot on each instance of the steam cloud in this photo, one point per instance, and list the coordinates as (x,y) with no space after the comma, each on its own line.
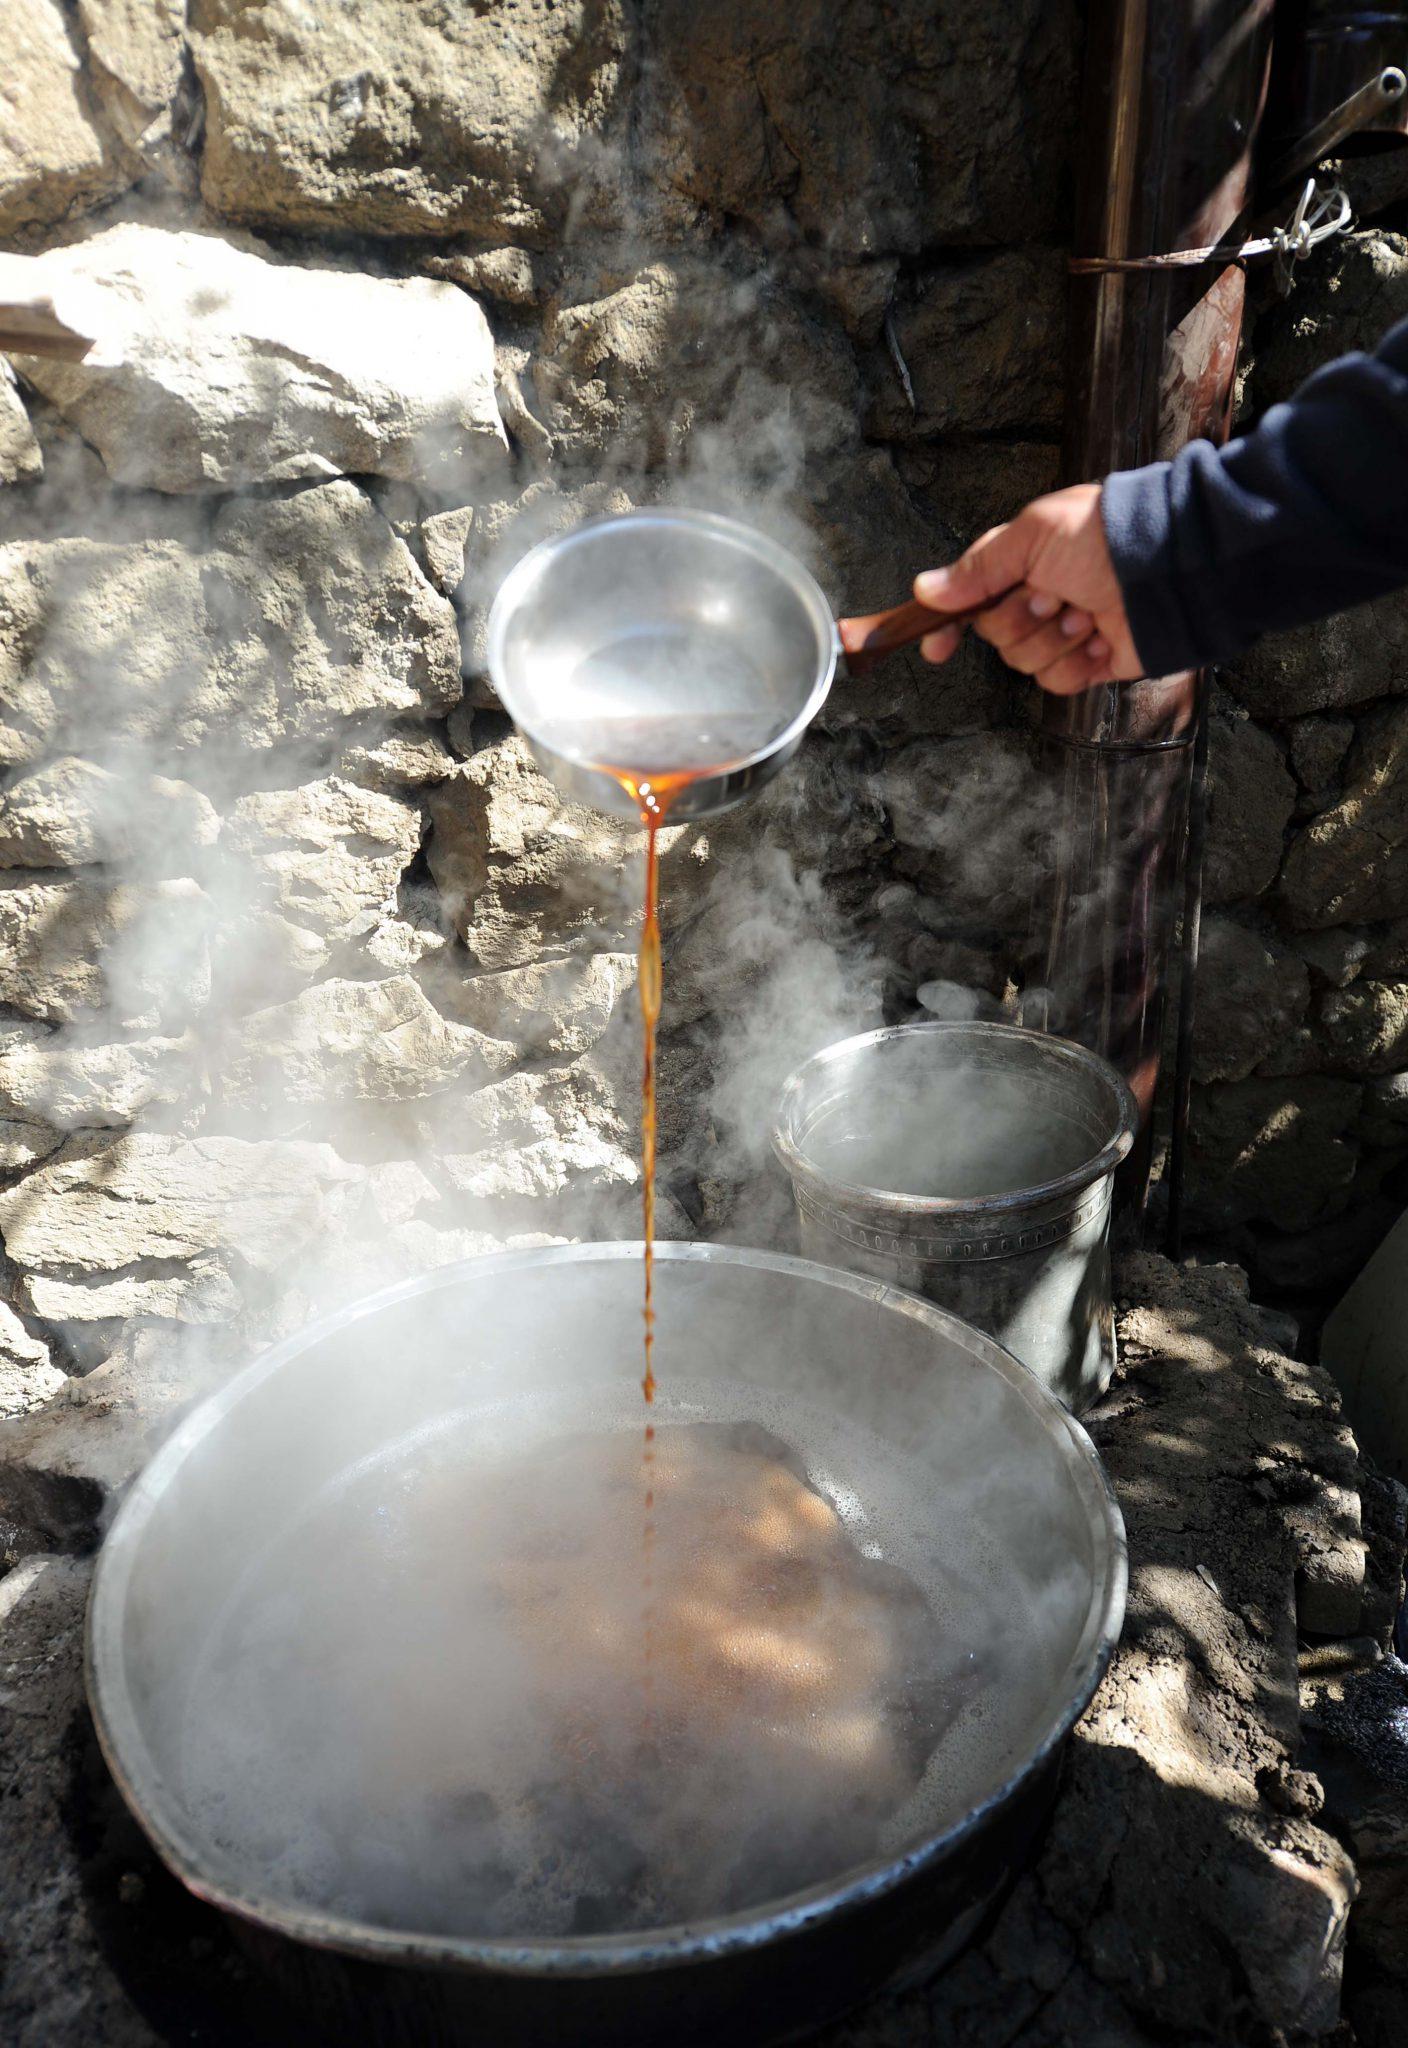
(249,853)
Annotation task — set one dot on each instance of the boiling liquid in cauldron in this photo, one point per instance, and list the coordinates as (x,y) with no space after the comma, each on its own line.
(421,1707)
(955,1135)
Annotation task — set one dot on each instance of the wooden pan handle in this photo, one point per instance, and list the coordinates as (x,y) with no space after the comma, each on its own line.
(33,324)
(868,639)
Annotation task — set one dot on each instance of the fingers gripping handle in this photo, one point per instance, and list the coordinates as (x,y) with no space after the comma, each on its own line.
(868,639)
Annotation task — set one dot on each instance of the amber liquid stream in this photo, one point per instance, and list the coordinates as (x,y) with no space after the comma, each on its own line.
(653,796)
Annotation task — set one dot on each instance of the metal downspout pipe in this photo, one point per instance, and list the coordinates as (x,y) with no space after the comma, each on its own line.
(1174,92)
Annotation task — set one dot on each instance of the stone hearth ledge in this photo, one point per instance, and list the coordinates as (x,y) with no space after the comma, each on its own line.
(1186,1888)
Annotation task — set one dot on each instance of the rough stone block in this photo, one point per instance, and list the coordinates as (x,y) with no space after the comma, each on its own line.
(521,873)
(70,1080)
(21,457)
(318,117)
(971,818)
(973,485)
(706,369)
(326,855)
(1364,1028)
(1387,957)
(135,69)
(23,1141)
(146,1224)
(1251,795)
(28,1375)
(399,761)
(1383,1118)
(1327,880)
(1249,995)
(239,369)
(872,533)
(1365,1346)
(54,158)
(547,1007)
(285,619)
(444,538)
(1337,664)
(983,342)
(1276,1151)
(876,133)
(1327,1255)
(1355,293)
(70,949)
(505,274)
(1336,957)
(1318,748)
(352,1041)
(72,811)
(63,1467)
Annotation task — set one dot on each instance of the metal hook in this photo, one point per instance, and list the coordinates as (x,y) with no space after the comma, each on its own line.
(1317,216)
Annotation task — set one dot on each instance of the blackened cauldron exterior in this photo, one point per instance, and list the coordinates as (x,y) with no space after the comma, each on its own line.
(223,1483)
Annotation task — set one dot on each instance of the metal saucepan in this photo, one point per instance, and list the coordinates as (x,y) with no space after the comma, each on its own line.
(671,644)
(315,1452)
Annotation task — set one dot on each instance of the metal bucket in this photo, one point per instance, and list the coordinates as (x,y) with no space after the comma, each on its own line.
(344,1414)
(973,1163)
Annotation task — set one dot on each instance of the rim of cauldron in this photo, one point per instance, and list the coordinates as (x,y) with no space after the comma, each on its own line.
(531,567)
(120,1737)
(801,1166)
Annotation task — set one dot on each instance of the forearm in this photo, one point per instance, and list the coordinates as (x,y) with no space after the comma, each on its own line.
(1305,516)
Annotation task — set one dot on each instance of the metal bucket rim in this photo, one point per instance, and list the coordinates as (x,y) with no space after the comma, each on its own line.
(801,1168)
(129,1760)
(532,566)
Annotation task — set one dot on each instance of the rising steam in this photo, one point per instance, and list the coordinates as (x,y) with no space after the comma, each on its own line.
(225,714)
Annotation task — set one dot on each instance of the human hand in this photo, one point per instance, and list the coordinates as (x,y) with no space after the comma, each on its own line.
(1063,619)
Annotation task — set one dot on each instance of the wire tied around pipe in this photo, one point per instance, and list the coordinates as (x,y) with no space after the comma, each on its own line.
(1318,215)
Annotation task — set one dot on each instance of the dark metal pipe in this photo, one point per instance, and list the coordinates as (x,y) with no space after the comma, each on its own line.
(1356,116)
(1173,97)
(1331,84)
(1187,989)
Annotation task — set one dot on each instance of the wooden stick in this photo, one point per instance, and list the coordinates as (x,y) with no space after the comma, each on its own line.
(31,323)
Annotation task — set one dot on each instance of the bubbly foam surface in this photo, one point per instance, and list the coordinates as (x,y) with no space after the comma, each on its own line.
(427,1705)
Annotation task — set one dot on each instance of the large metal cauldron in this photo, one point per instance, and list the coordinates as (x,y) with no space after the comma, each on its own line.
(740,1334)
(974,1163)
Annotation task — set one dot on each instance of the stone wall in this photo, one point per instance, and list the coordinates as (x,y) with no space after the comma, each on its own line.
(306,978)
(286,917)
(1300,1120)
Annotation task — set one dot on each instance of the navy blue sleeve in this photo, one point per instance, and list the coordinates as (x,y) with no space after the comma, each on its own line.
(1304,516)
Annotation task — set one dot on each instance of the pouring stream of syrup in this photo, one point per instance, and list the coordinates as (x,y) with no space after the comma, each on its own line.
(652,796)
(650,981)
(688,738)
